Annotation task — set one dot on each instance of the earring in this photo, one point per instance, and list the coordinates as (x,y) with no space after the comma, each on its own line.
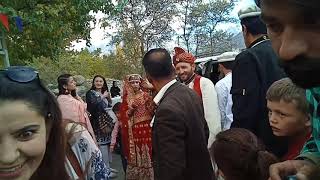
(67,91)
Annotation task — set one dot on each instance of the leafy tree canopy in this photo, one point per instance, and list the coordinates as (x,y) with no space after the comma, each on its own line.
(49,25)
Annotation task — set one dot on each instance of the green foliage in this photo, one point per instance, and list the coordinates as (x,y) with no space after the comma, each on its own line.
(146,22)
(125,61)
(1,62)
(83,63)
(200,19)
(115,65)
(49,26)
(141,25)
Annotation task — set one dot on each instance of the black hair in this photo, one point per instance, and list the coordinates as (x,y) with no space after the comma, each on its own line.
(157,63)
(309,9)
(228,65)
(104,87)
(257,2)
(116,107)
(62,81)
(40,99)
(254,25)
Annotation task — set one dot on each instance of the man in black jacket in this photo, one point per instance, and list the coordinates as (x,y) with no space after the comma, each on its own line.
(179,129)
(256,68)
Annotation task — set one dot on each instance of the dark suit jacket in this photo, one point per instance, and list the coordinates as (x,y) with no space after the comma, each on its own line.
(180,135)
(254,71)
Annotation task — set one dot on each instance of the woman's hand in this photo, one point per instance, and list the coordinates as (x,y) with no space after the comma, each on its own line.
(111,147)
(130,111)
(106,94)
(145,84)
(78,97)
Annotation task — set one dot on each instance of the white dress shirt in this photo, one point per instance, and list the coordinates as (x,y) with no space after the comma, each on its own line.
(160,94)
(223,88)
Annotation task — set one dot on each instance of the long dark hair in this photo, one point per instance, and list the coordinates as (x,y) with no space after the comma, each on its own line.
(44,102)
(104,87)
(62,81)
(241,156)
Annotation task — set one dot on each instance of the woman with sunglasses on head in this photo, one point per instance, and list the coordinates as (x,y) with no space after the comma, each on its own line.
(33,138)
(102,117)
(71,105)
(136,112)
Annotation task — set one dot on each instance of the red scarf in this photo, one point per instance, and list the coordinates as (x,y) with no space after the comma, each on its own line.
(124,125)
(196,85)
(295,148)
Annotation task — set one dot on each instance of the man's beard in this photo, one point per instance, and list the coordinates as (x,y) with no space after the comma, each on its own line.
(303,71)
(188,75)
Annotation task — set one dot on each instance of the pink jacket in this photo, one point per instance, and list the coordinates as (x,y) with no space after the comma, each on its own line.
(75,110)
(115,133)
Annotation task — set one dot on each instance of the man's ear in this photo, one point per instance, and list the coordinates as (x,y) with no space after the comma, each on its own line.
(148,78)
(244,30)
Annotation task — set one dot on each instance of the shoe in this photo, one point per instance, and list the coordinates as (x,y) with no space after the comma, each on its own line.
(112,175)
(114,170)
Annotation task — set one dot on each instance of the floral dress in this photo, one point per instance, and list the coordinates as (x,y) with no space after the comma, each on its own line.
(88,155)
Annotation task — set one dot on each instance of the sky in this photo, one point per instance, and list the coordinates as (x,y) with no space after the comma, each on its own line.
(98,39)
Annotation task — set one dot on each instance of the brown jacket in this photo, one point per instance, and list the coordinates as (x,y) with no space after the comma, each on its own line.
(179,137)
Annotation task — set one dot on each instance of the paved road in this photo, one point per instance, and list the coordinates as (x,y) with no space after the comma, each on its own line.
(116,164)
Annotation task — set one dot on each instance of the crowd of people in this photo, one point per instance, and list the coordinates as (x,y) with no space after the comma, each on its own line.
(259,121)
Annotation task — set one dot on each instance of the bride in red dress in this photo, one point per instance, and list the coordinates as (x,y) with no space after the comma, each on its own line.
(136,113)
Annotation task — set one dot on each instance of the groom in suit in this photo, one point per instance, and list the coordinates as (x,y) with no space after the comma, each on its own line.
(179,130)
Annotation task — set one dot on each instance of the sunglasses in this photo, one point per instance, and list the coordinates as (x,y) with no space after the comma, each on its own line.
(20,74)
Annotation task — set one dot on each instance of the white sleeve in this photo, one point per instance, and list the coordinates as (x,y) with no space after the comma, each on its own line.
(222,91)
(211,108)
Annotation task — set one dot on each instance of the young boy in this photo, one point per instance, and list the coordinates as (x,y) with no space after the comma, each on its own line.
(289,115)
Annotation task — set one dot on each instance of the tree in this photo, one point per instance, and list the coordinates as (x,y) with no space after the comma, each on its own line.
(190,21)
(144,21)
(49,26)
(221,42)
(123,62)
(200,21)
(77,63)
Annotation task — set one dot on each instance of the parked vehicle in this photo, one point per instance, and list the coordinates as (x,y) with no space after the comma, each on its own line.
(208,67)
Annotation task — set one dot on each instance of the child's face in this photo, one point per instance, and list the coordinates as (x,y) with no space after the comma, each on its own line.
(117,114)
(286,120)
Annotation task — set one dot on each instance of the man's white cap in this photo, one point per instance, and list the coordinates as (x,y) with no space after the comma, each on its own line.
(227,56)
(250,10)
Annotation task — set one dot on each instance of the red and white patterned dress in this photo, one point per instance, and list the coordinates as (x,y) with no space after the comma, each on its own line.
(136,134)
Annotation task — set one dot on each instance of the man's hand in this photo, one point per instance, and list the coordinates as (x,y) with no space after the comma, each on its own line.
(301,168)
